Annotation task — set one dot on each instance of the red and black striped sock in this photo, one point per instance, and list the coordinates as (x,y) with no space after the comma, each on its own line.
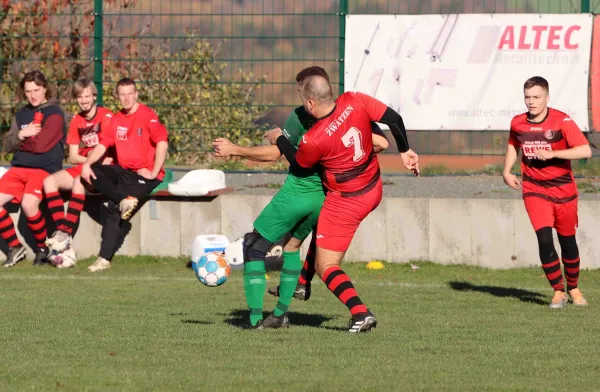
(308,269)
(56,205)
(74,212)
(7,229)
(571,273)
(341,286)
(37,225)
(554,275)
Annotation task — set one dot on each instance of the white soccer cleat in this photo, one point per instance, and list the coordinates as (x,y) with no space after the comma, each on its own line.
(559,300)
(127,206)
(99,265)
(59,242)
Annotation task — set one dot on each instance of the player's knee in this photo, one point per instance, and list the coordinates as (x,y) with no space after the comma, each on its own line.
(78,186)
(293,245)
(30,206)
(568,247)
(49,182)
(256,246)
(546,245)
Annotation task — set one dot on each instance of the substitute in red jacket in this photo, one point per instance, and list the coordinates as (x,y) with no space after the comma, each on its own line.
(37,141)
(140,143)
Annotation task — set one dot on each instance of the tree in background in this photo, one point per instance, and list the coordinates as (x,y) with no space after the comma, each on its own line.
(185,86)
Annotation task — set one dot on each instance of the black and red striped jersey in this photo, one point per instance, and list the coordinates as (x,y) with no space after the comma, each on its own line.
(342,143)
(551,179)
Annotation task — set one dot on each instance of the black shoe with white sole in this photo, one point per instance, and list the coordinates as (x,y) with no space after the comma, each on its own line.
(301,292)
(273,321)
(14,255)
(362,322)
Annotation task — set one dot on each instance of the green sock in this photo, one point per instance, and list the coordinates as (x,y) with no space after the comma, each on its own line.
(290,272)
(255,284)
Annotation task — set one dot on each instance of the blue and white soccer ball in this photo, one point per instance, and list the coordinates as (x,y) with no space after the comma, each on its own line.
(63,259)
(211,269)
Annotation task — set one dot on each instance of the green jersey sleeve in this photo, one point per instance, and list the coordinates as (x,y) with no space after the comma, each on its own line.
(296,125)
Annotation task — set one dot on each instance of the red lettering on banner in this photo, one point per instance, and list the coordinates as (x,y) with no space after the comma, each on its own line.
(538,37)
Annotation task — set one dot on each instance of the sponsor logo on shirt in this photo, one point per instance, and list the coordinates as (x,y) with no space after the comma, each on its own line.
(139,131)
(121,133)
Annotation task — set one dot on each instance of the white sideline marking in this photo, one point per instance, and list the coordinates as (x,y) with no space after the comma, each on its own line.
(192,279)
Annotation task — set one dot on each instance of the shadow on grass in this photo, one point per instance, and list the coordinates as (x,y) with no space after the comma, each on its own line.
(239,318)
(496,291)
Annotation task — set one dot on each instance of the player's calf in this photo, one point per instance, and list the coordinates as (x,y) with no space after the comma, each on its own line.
(255,250)
(550,261)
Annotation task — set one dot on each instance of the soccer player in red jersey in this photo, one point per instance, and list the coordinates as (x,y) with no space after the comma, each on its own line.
(549,139)
(37,139)
(341,142)
(84,134)
(140,142)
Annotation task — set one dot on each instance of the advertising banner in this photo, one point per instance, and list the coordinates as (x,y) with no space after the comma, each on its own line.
(466,71)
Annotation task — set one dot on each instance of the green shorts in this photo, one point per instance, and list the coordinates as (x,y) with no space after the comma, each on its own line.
(296,214)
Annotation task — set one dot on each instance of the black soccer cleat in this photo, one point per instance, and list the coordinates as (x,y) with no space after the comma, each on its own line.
(41,257)
(258,325)
(362,322)
(14,255)
(302,292)
(273,321)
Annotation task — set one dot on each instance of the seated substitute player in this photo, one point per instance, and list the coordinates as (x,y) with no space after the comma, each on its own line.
(84,130)
(140,143)
(38,147)
(340,142)
(549,140)
(295,208)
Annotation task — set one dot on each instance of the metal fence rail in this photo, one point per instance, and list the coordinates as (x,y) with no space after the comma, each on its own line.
(214,67)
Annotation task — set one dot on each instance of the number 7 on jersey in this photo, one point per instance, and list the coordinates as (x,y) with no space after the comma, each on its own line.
(353,138)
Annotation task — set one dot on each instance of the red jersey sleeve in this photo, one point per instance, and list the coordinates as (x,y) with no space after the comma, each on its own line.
(512,137)
(308,153)
(105,122)
(73,135)
(107,136)
(572,133)
(374,107)
(158,132)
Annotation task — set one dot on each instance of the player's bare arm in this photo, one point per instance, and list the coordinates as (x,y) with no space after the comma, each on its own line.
(224,148)
(509,160)
(74,157)
(159,160)
(95,155)
(578,152)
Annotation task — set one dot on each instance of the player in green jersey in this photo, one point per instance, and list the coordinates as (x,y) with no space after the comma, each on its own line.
(294,209)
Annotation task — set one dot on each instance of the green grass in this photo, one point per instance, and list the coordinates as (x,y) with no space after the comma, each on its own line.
(148,325)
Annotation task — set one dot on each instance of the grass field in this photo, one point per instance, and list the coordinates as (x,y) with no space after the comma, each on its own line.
(148,325)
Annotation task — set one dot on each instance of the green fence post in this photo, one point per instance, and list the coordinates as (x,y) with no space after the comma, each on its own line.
(98,49)
(343,12)
(585,6)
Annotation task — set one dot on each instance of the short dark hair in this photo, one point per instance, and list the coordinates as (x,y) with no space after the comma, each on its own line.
(39,79)
(311,71)
(536,81)
(125,82)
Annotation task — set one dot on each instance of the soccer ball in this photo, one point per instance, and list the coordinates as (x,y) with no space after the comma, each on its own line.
(64,259)
(212,269)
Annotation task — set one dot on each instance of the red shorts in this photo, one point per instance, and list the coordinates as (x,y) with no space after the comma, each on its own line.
(340,217)
(20,180)
(75,171)
(544,213)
